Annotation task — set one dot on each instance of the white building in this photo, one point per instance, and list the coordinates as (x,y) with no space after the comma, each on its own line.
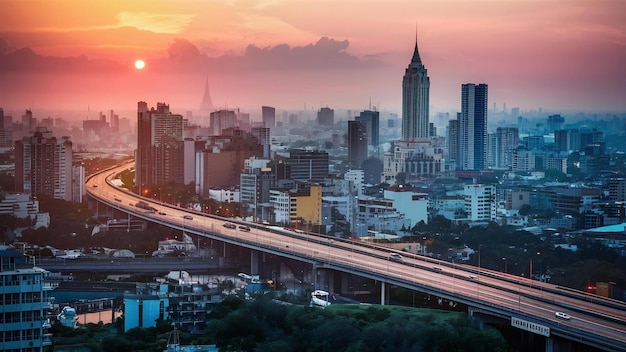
(412,204)
(448,206)
(379,215)
(356,177)
(480,202)
(225,195)
(280,199)
(22,206)
(417,159)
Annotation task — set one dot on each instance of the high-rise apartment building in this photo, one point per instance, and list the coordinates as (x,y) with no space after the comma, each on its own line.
(269,116)
(160,147)
(221,120)
(24,323)
(415,99)
(507,141)
(357,143)
(43,164)
(263,135)
(326,116)
(372,121)
(473,127)
(453,138)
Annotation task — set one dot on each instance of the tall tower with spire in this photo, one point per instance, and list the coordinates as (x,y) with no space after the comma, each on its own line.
(206,105)
(415,99)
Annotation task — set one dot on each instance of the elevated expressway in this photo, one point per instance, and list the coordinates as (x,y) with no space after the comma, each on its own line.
(595,320)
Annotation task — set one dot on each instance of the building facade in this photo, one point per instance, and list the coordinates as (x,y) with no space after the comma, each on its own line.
(415,99)
(43,164)
(160,147)
(25,303)
(480,202)
(473,127)
(268,116)
(372,121)
(357,143)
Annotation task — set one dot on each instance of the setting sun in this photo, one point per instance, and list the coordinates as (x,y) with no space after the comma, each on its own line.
(139,64)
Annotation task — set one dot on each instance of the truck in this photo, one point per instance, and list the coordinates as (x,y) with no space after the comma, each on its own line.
(144,205)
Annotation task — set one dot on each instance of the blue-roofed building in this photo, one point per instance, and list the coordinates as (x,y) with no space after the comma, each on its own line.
(24,295)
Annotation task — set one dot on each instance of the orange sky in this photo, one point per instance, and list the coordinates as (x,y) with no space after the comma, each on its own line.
(554,54)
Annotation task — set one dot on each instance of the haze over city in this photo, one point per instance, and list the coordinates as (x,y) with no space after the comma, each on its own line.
(558,55)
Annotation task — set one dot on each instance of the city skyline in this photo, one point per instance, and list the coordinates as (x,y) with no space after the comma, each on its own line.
(560,55)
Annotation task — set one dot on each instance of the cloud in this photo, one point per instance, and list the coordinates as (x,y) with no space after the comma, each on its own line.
(28,61)
(325,54)
(154,22)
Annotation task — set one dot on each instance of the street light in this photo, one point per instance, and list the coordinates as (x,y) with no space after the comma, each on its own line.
(505,262)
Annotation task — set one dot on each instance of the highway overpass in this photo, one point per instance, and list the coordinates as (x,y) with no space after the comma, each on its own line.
(529,305)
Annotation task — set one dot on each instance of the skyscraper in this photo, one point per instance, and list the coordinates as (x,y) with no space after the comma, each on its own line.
(326,116)
(372,120)
(269,116)
(206,105)
(415,99)
(473,127)
(357,143)
(43,164)
(507,140)
(221,120)
(160,149)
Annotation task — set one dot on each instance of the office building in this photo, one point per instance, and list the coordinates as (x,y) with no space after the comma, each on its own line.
(160,146)
(25,302)
(307,166)
(326,116)
(473,127)
(555,122)
(269,116)
(372,121)
(507,141)
(221,120)
(415,99)
(43,164)
(357,143)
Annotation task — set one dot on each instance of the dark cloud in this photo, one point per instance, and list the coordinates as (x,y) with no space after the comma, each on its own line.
(26,60)
(326,53)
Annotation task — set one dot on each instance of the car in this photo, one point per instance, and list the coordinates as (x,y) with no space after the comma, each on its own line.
(562,315)
(117,199)
(472,277)
(395,257)
(244,228)
(95,185)
(437,269)
(188,217)
(230,226)
(162,213)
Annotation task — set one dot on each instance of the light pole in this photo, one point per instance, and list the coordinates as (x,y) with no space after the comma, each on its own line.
(505,264)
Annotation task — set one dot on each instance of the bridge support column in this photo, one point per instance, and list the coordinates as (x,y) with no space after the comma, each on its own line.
(549,344)
(383,288)
(254,262)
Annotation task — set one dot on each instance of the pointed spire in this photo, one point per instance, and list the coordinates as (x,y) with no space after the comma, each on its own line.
(207,103)
(416,55)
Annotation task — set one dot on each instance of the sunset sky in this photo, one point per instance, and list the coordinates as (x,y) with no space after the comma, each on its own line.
(555,54)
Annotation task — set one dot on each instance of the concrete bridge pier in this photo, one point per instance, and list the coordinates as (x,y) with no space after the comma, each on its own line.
(383,288)
(549,344)
(254,262)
